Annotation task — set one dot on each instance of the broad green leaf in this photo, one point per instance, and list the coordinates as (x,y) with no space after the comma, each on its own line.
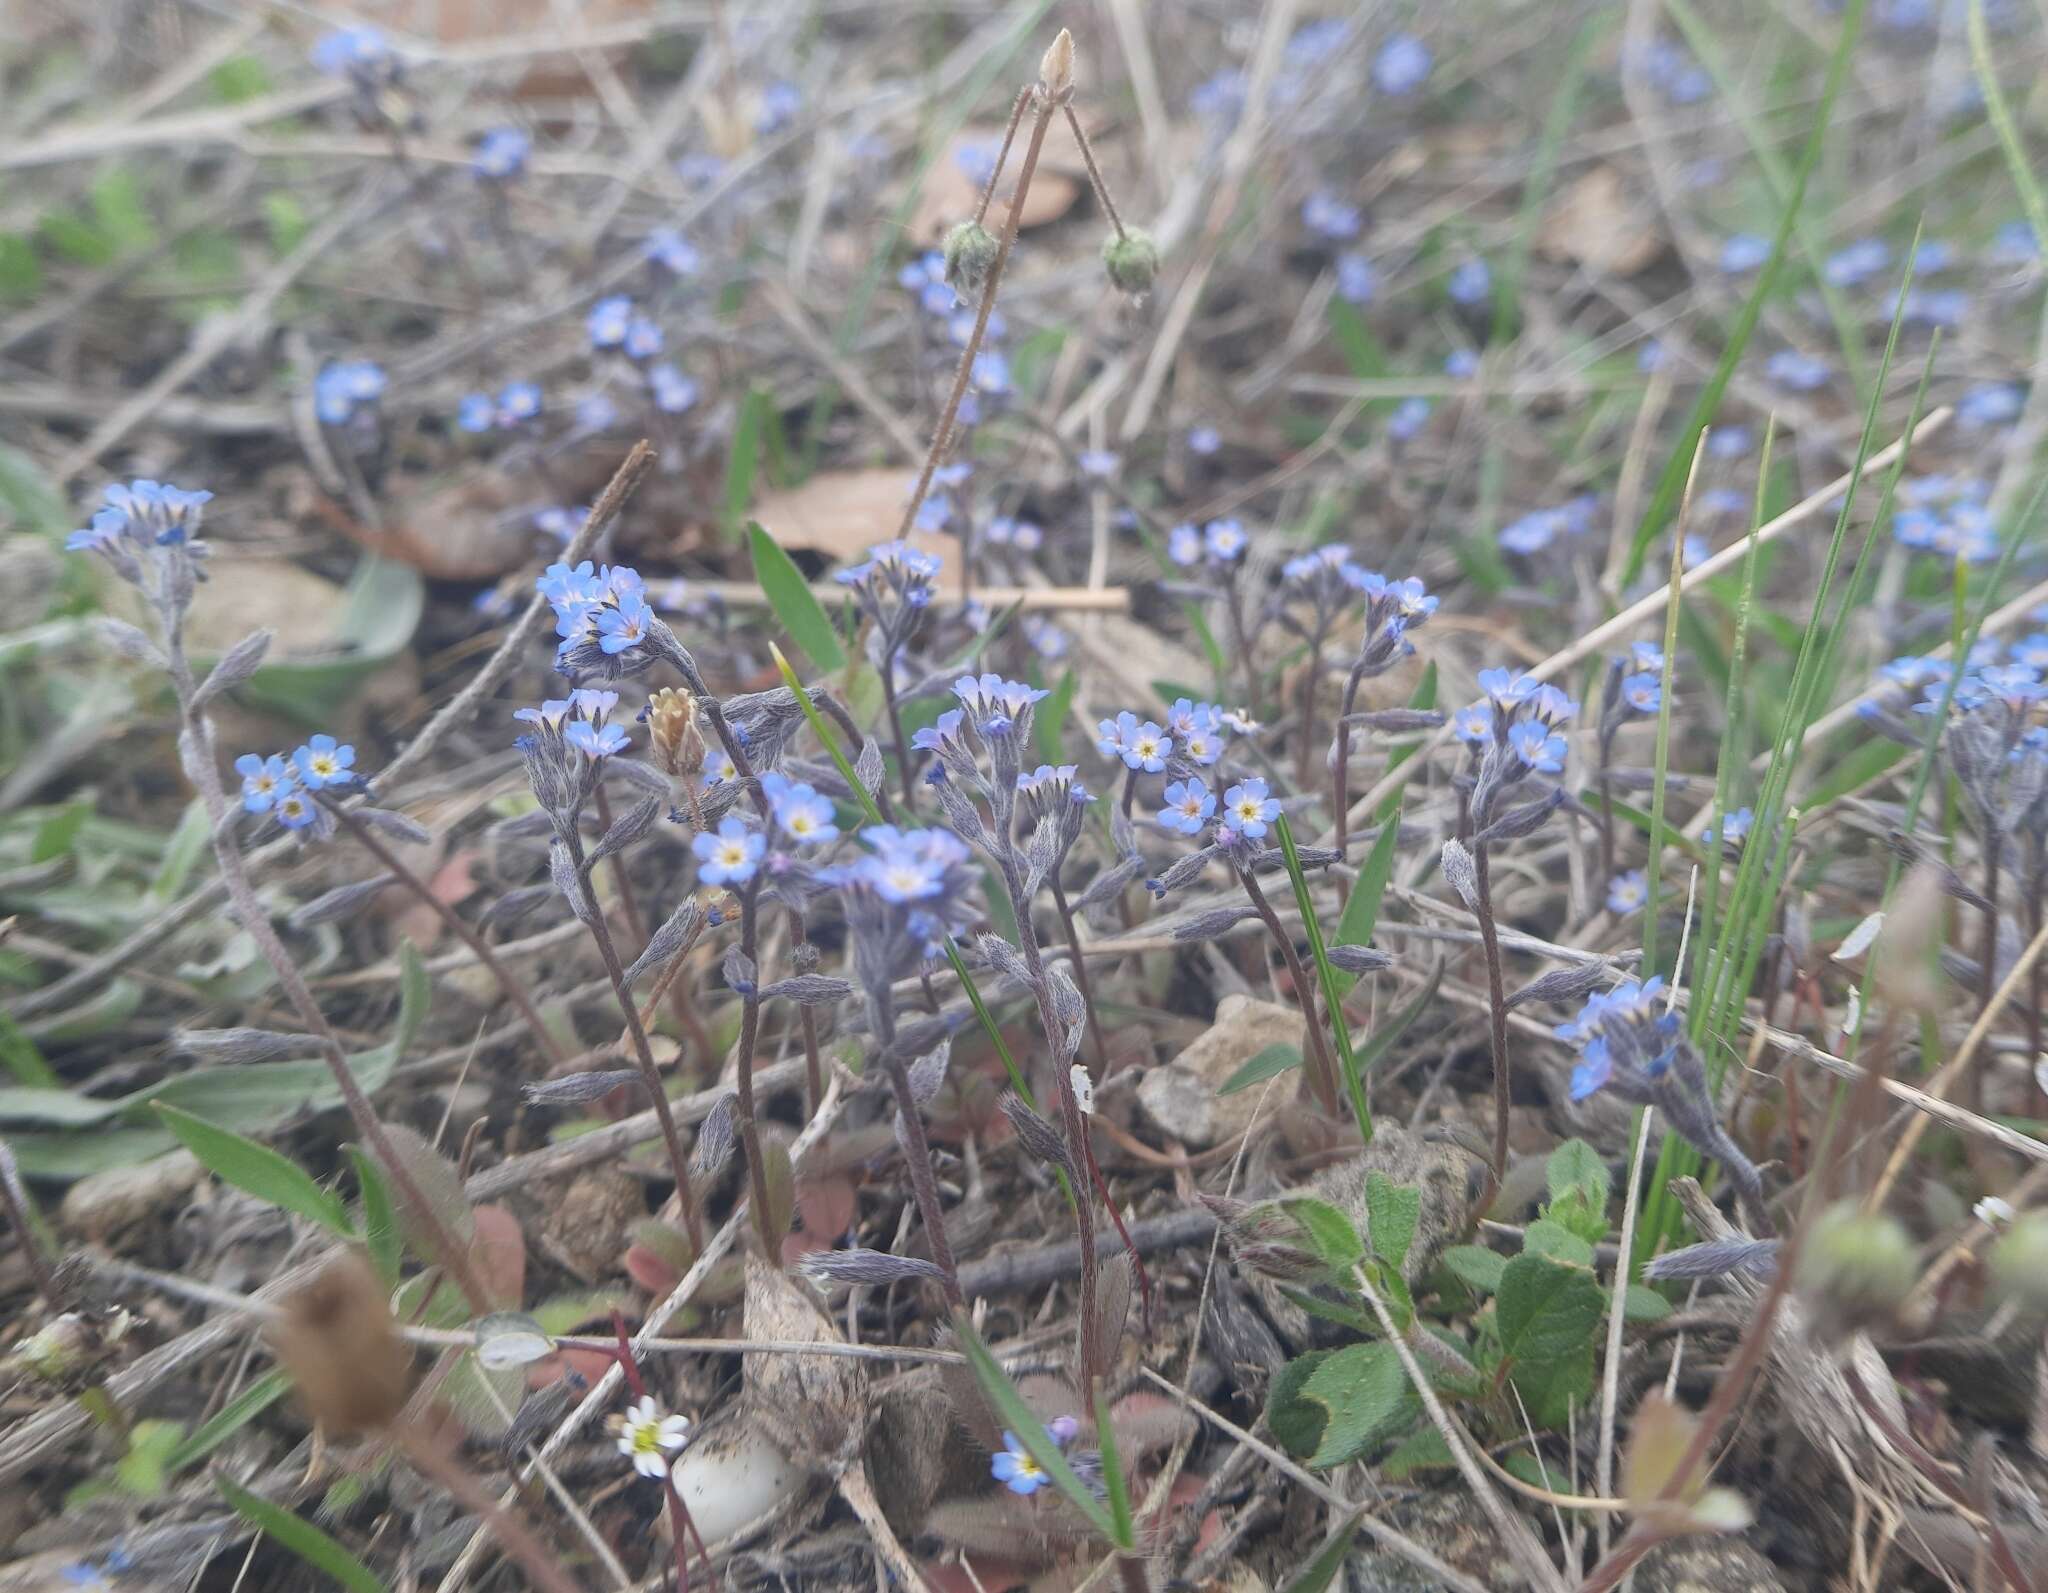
(380,1221)
(230,1419)
(1548,1237)
(1576,1165)
(1295,1421)
(1548,1314)
(743,460)
(308,1542)
(1368,1396)
(1269,1063)
(239,78)
(56,835)
(23,1060)
(1644,1304)
(1328,1231)
(1476,1265)
(795,605)
(1422,1450)
(1356,1318)
(258,1170)
(1392,1210)
(1029,1430)
(1362,910)
(381,610)
(1113,1481)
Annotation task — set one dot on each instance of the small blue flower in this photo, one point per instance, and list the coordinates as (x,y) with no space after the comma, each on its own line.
(780,102)
(295,810)
(1461,363)
(643,338)
(1184,546)
(1473,724)
(804,815)
(1099,463)
(1744,253)
(1204,440)
(1402,65)
(990,374)
(1628,892)
(1646,655)
(1537,745)
(264,780)
(501,154)
(1797,372)
(1992,404)
(1507,687)
(108,527)
(348,52)
(476,412)
(625,625)
(730,856)
(345,385)
(1470,283)
(1736,828)
(1408,419)
(1249,809)
(1644,693)
(1357,281)
(1141,746)
(608,320)
(1324,214)
(667,248)
(595,741)
(673,391)
(1223,541)
(1189,806)
(1014,1468)
(321,763)
(1857,263)
(517,402)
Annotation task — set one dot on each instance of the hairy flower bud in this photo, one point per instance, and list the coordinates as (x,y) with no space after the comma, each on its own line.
(2019,1262)
(1132,261)
(1857,1268)
(342,1349)
(970,255)
(1056,70)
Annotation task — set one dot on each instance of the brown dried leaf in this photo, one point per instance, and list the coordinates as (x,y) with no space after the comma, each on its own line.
(949,194)
(1594,223)
(816,1404)
(843,513)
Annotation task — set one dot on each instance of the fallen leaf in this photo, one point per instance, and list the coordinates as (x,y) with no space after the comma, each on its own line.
(843,513)
(499,1251)
(1595,224)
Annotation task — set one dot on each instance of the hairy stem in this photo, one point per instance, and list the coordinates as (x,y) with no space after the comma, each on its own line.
(1340,776)
(1322,1078)
(743,1073)
(1081,981)
(924,1184)
(1497,1003)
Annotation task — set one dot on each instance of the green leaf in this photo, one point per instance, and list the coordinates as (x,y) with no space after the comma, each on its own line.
(1548,1237)
(286,219)
(1024,1424)
(258,1170)
(1387,1033)
(239,78)
(743,460)
(1297,1422)
(1269,1063)
(58,833)
(1362,909)
(1351,1078)
(305,1540)
(1328,1231)
(143,1470)
(1425,1449)
(1113,1482)
(1576,1165)
(380,1220)
(1392,1210)
(381,610)
(181,854)
(793,601)
(21,1057)
(1548,1314)
(1476,1265)
(1368,1396)
(117,206)
(1320,1572)
(1049,723)
(1343,1314)
(21,273)
(1644,1304)
(230,1419)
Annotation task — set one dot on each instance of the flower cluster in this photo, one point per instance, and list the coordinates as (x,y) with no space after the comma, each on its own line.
(1633,689)
(148,533)
(570,737)
(904,898)
(1533,532)
(614,323)
(1514,735)
(893,585)
(345,387)
(606,626)
(516,404)
(1995,735)
(284,787)
(1947,516)
(1220,544)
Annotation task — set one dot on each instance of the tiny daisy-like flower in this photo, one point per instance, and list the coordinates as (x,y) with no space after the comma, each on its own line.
(648,1438)
(1098,462)
(1014,1468)
(1473,724)
(1223,540)
(264,781)
(1084,1089)
(1402,66)
(608,320)
(501,154)
(1249,808)
(1628,892)
(321,763)
(730,856)
(1189,806)
(624,626)
(1736,827)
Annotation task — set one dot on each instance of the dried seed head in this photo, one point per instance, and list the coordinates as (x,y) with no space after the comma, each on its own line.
(1056,70)
(342,1350)
(971,251)
(1132,261)
(676,736)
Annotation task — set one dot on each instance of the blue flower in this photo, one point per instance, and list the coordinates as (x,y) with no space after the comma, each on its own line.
(1646,655)
(730,856)
(1473,724)
(595,741)
(264,780)
(518,401)
(1943,307)
(1461,363)
(2032,652)
(1470,282)
(1744,253)
(673,391)
(1402,65)
(108,527)
(1249,809)
(476,412)
(1934,255)
(344,385)
(667,248)
(1800,373)
(993,703)
(321,763)
(1857,263)
(1189,806)
(780,102)
(1628,892)
(625,625)
(1223,540)
(1644,693)
(2014,244)
(643,339)
(1142,746)
(1357,281)
(1184,546)
(909,865)
(990,373)
(352,52)
(1324,214)
(1097,462)
(1992,404)
(608,320)
(1507,687)
(1014,1468)
(295,810)
(501,154)
(1532,532)
(1537,745)
(1736,827)
(1408,419)
(803,814)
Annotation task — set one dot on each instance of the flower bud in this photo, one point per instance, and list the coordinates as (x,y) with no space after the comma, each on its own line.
(1132,261)
(2019,1262)
(1858,1267)
(673,731)
(342,1350)
(1056,70)
(971,251)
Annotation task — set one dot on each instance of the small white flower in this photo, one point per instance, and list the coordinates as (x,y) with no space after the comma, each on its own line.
(647,1438)
(1084,1087)
(1993,1212)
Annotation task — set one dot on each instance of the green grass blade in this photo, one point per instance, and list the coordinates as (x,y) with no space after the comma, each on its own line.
(1362,910)
(230,1419)
(257,1170)
(1024,1425)
(1113,1482)
(308,1542)
(790,596)
(1672,481)
(1333,998)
